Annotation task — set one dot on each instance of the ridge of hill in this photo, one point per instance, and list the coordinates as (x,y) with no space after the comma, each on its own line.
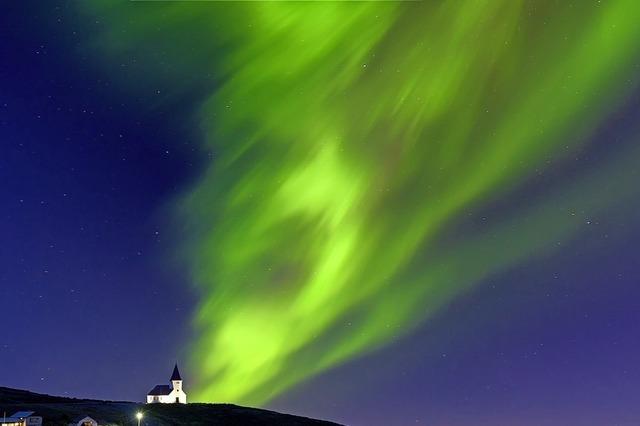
(60,411)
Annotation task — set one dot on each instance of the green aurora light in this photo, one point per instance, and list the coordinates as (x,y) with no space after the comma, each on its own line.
(349,137)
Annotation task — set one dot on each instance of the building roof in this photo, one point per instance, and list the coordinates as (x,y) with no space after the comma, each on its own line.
(23,414)
(176,373)
(78,419)
(160,390)
(99,420)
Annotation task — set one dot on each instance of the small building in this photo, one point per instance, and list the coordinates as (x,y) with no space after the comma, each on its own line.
(84,421)
(168,394)
(22,418)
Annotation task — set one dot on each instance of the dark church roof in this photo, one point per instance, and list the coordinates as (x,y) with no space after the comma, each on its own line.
(176,374)
(160,390)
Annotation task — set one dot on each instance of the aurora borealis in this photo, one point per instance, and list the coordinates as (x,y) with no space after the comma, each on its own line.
(366,164)
(349,137)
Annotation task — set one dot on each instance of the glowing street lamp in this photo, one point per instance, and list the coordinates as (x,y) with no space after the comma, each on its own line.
(139,417)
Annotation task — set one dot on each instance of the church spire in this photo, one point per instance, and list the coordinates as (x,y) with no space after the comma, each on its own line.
(176,373)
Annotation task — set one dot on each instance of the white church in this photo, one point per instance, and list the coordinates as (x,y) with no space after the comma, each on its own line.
(168,394)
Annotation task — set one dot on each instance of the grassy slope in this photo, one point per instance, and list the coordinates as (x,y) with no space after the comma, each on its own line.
(58,411)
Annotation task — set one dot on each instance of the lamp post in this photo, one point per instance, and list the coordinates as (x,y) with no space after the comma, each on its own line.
(139,417)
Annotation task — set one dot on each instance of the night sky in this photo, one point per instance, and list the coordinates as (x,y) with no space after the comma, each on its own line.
(377,214)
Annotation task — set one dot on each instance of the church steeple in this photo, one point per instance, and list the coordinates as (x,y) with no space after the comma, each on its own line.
(176,374)
(176,380)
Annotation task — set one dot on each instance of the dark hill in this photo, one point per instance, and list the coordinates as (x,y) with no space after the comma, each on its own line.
(59,411)
(18,396)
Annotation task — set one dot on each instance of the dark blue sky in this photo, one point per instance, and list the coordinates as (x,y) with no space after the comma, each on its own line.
(96,304)
(88,284)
